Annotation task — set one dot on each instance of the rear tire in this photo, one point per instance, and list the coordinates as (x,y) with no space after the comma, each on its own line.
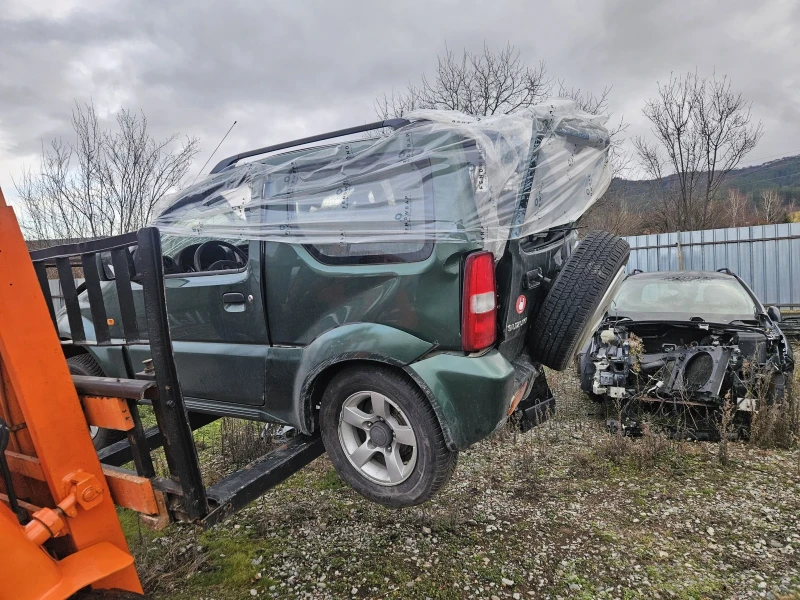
(366,410)
(84,364)
(574,298)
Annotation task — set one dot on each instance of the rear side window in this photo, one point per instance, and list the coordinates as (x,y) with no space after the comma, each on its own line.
(362,213)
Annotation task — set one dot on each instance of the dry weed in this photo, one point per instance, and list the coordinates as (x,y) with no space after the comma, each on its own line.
(776,422)
(725,427)
(163,561)
(241,442)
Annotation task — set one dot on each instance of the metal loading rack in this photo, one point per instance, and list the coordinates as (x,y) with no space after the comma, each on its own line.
(133,263)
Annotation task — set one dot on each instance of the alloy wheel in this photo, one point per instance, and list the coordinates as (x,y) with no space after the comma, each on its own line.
(377,438)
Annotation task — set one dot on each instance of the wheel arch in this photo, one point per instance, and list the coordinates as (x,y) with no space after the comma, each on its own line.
(100,355)
(317,382)
(71,350)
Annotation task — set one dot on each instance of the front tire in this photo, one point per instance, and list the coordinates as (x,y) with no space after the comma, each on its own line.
(383,437)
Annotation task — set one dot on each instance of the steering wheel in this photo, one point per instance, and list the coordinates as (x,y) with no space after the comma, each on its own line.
(239,257)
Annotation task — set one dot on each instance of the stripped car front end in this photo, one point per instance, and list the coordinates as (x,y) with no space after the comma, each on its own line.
(689,339)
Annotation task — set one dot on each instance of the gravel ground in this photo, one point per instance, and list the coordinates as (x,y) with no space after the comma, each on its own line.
(565,511)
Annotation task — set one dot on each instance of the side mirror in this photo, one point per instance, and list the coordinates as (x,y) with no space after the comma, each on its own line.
(107,269)
(774,313)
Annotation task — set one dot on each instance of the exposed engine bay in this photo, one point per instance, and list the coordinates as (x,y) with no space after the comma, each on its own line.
(689,363)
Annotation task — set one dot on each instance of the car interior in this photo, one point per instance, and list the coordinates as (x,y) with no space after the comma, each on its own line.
(209,255)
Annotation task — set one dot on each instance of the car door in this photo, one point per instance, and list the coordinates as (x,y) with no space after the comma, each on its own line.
(218,326)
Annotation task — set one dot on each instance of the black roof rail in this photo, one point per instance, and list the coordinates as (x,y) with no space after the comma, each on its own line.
(725,270)
(635,271)
(232,160)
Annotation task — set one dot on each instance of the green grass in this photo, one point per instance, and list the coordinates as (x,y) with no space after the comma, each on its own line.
(230,560)
(329,481)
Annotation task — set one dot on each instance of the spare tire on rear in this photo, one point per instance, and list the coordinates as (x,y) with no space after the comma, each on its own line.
(572,303)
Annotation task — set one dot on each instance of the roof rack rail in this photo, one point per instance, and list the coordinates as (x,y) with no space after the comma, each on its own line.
(635,271)
(725,270)
(232,160)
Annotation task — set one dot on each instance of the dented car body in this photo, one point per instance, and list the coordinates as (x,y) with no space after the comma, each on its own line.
(393,294)
(689,338)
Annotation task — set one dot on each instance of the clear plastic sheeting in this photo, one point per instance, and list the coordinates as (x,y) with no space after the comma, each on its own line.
(445,176)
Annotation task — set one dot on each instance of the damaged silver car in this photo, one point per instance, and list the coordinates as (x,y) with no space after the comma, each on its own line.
(691,339)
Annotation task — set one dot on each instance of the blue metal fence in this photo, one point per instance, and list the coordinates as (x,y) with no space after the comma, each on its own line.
(767,257)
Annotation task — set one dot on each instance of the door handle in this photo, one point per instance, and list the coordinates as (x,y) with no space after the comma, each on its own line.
(233,302)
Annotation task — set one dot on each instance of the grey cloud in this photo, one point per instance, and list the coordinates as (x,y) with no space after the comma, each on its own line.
(288,69)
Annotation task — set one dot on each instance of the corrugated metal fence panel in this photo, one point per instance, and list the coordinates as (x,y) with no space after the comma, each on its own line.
(55,291)
(767,257)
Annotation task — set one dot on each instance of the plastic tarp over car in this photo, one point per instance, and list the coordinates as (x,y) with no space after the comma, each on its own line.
(445,176)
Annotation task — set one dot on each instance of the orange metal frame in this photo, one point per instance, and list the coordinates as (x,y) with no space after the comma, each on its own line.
(55,467)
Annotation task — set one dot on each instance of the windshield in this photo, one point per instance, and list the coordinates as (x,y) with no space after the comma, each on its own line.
(681,297)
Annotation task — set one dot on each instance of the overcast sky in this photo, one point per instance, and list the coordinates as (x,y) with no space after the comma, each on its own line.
(289,69)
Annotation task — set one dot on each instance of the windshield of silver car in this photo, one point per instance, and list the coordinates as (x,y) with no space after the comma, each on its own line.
(692,296)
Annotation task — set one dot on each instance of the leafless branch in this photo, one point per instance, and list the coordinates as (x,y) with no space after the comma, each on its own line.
(483,83)
(702,131)
(106,182)
(495,81)
(736,205)
(771,206)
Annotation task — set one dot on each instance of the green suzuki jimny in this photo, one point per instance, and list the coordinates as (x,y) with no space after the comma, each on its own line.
(397,295)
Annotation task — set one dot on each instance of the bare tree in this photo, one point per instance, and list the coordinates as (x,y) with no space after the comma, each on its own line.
(702,131)
(614,214)
(106,182)
(736,207)
(587,101)
(495,82)
(597,104)
(770,205)
(486,83)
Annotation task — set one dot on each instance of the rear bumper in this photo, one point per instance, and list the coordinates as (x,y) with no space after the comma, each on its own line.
(471,395)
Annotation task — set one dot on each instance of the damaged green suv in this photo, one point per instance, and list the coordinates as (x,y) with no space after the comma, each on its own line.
(396,295)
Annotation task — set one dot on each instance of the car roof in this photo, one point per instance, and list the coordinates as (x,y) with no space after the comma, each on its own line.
(683,275)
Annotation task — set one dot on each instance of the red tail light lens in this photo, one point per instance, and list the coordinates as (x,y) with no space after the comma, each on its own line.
(479,305)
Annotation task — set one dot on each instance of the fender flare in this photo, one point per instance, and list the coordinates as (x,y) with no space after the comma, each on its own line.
(368,342)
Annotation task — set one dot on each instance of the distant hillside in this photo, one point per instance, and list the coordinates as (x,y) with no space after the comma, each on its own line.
(782,174)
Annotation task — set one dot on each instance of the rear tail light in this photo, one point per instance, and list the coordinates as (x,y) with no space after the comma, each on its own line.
(479,306)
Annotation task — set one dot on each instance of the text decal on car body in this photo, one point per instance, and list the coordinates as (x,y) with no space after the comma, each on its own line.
(517,325)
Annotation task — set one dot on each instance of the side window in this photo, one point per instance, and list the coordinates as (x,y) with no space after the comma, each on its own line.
(353,222)
(202,255)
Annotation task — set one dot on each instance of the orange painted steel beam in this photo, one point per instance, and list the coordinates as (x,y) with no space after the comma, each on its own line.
(109,413)
(40,384)
(31,508)
(131,491)
(23,464)
(128,490)
(20,440)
